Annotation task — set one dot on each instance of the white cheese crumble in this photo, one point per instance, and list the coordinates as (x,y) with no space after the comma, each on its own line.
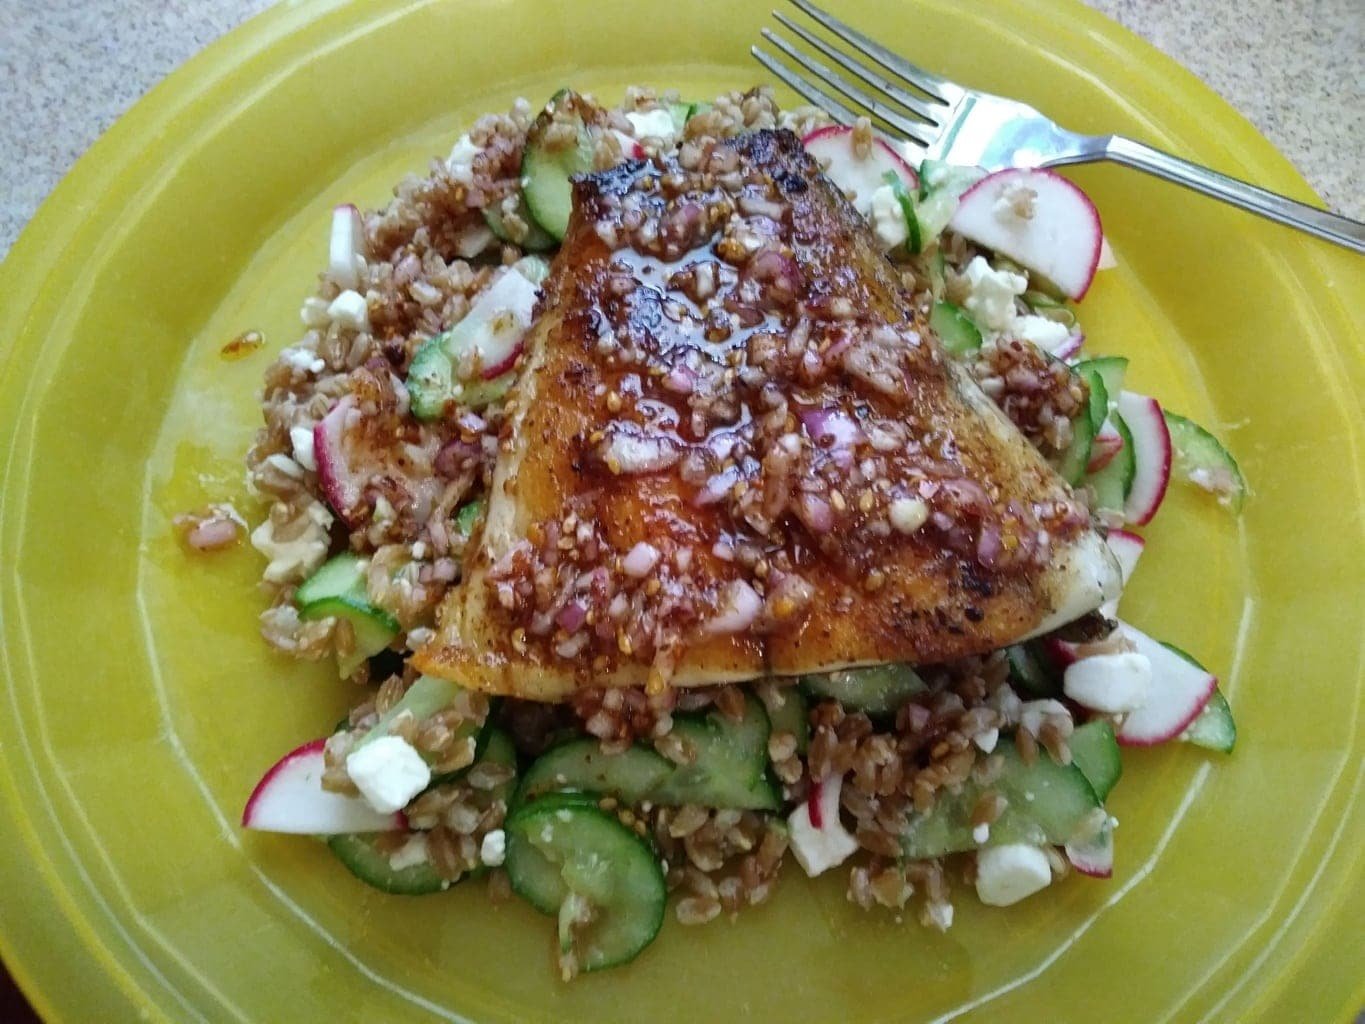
(908,514)
(1047,334)
(888,218)
(302,360)
(1112,683)
(296,558)
(991,294)
(1016,202)
(819,849)
(461,160)
(986,741)
(1009,873)
(389,772)
(313,312)
(652,124)
(301,438)
(981,834)
(350,310)
(493,849)
(411,853)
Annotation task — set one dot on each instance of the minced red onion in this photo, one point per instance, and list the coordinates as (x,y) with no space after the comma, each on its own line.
(988,546)
(834,430)
(681,380)
(571,647)
(816,513)
(572,616)
(717,487)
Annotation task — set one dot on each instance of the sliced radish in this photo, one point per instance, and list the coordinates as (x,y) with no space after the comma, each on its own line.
(1152,455)
(1039,220)
(340,486)
(347,242)
(832,147)
(1095,856)
(290,798)
(1127,548)
(1179,692)
(1069,348)
(1108,443)
(630,146)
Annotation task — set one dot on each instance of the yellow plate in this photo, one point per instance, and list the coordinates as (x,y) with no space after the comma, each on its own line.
(139,706)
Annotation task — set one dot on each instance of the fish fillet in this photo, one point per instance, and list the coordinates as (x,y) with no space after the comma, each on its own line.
(736,450)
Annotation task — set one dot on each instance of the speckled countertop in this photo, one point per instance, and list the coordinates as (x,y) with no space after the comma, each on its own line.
(69,68)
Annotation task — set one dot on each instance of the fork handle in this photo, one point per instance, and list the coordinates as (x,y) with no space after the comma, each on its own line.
(1323,224)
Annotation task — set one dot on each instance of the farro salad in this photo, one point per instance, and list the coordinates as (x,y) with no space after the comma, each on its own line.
(688,484)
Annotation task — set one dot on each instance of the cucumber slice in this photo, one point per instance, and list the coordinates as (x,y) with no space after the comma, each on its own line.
(1111,370)
(875,689)
(1096,753)
(337,590)
(1032,671)
(1112,483)
(1214,728)
(913,242)
(564,856)
(1045,305)
(1077,457)
(731,766)
(941,185)
(1098,405)
(545,170)
(793,716)
(493,330)
(938,284)
(579,765)
(363,860)
(1202,460)
(1048,804)
(533,239)
(954,328)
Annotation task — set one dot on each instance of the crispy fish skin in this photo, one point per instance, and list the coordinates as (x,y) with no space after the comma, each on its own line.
(868,596)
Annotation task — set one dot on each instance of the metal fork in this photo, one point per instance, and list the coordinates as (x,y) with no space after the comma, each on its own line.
(950,122)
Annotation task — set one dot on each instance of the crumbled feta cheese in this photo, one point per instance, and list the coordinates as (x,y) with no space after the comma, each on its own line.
(938,915)
(652,124)
(494,848)
(284,464)
(1016,202)
(419,550)
(461,160)
(301,438)
(313,312)
(981,833)
(296,558)
(350,310)
(1047,334)
(888,218)
(1111,683)
(411,853)
(389,772)
(986,741)
(302,360)
(819,849)
(1033,712)
(1009,873)
(908,514)
(991,294)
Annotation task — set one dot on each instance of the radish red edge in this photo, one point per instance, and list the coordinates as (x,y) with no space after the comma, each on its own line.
(826,138)
(1180,691)
(341,492)
(1108,443)
(1152,452)
(1094,858)
(504,365)
(352,813)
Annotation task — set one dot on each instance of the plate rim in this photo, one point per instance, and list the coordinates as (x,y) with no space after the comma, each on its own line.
(31,267)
